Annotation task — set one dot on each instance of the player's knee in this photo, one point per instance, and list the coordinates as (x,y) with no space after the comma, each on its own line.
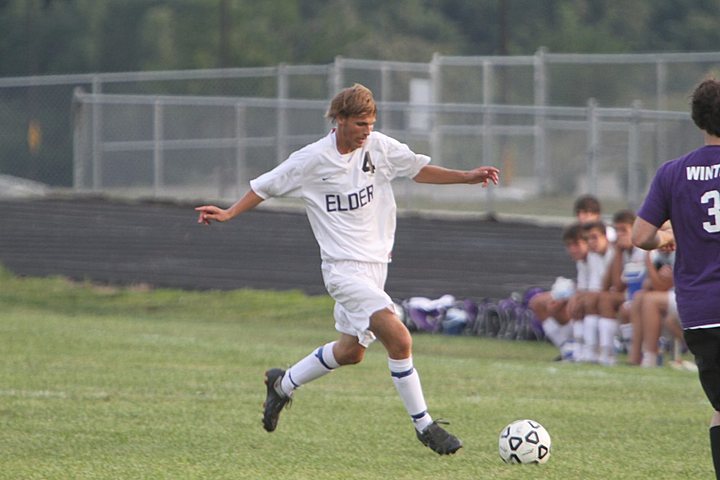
(406,343)
(400,347)
(605,306)
(539,303)
(394,336)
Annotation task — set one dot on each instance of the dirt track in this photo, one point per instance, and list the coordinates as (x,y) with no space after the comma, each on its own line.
(161,244)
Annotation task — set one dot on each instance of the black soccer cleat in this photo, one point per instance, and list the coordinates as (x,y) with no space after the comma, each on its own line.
(274,401)
(439,440)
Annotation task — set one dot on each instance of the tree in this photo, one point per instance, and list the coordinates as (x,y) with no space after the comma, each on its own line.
(64,36)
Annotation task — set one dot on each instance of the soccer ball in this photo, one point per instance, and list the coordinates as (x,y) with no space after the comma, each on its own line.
(524,441)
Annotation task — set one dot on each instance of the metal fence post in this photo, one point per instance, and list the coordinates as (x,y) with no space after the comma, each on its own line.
(488,139)
(158,138)
(97,171)
(385,95)
(435,75)
(662,105)
(540,137)
(240,154)
(633,165)
(592,149)
(338,76)
(79,127)
(282,121)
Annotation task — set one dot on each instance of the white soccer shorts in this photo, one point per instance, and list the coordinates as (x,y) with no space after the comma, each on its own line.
(358,291)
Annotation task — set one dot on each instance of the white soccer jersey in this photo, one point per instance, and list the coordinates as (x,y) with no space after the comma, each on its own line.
(635,255)
(583,275)
(348,198)
(598,265)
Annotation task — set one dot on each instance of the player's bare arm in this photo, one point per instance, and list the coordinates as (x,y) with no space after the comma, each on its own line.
(649,237)
(210,213)
(439,175)
(616,268)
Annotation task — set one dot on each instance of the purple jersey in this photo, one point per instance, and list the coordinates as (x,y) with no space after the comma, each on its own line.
(686,191)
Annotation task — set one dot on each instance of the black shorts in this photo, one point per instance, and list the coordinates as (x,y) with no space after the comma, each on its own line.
(704,343)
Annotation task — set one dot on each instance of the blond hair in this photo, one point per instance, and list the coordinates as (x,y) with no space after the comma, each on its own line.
(355,101)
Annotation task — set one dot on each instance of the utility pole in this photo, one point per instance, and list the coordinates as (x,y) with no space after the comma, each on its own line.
(503,34)
(224,41)
(506,151)
(34,127)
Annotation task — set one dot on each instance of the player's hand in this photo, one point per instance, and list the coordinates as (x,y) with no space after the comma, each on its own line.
(210,213)
(667,238)
(484,175)
(666,272)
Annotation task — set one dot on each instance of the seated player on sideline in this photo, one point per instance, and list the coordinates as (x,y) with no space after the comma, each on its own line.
(587,209)
(613,305)
(649,306)
(585,317)
(551,308)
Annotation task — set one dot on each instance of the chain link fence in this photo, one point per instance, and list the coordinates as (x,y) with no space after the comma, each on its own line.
(556,124)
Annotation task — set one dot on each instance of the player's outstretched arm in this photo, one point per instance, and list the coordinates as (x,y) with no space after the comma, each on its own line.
(441,175)
(209,213)
(649,237)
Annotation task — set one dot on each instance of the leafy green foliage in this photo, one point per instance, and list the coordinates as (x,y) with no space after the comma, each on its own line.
(70,36)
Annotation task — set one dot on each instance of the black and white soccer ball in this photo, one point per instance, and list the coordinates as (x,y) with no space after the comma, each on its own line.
(524,441)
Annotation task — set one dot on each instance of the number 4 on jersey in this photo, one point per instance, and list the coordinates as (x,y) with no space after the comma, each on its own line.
(368,165)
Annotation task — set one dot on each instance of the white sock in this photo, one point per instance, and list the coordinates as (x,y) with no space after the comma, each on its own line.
(407,383)
(558,334)
(607,328)
(626,331)
(317,364)
(577,334)
(578,327)
(590,338)
(649,360)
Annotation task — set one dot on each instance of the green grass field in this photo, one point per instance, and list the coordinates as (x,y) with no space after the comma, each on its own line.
(103,383)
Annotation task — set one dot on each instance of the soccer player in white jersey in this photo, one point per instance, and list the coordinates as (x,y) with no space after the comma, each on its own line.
(587,210)
(586,316)
(553,307)
(625,278)
(344,181)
